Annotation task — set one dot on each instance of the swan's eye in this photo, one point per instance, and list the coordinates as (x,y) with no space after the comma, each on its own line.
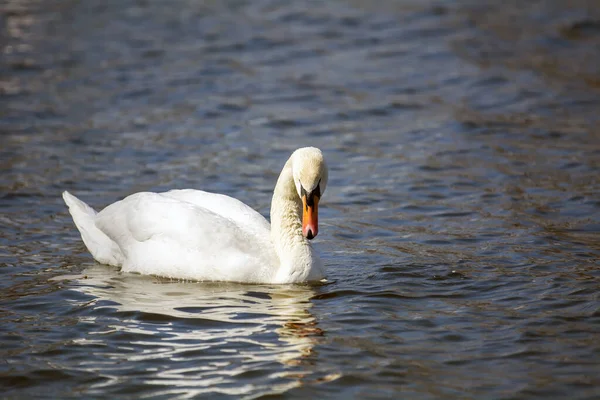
(316,192)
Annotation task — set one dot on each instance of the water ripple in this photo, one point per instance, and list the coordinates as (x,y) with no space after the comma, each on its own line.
(459,228)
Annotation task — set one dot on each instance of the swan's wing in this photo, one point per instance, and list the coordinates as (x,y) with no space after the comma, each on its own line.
(162,235)
(225,206)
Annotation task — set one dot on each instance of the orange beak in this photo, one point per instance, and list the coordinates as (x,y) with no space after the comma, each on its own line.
(310,216)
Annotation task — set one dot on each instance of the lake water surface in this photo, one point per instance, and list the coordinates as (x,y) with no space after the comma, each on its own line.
(460,229)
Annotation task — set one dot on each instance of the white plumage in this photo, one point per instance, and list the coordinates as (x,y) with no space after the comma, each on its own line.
(192,234)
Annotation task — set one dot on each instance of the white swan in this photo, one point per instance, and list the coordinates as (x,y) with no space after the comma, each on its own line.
(192,234)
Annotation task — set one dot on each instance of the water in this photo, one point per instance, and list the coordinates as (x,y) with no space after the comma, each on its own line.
(460,228)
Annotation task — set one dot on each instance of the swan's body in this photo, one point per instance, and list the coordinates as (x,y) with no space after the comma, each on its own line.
(192,234)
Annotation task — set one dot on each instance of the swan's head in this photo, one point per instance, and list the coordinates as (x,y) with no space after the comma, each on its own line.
(310,177)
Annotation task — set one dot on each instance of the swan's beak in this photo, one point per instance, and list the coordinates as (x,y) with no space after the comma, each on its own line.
(310,215)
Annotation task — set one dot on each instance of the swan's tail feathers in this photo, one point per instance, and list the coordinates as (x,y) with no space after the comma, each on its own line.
(103,249)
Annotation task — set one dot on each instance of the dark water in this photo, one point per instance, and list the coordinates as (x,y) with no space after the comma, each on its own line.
(460,228)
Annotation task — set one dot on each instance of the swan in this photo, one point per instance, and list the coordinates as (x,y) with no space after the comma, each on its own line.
(196,235)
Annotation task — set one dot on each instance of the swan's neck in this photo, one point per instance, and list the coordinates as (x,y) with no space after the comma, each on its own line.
(298,261)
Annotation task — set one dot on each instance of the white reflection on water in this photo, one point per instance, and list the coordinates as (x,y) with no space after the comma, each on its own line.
(189,338)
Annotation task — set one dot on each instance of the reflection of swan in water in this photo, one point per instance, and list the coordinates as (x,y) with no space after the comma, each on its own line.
(199,338)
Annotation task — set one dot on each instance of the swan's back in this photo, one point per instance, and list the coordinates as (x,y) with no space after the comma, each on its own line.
(189,234)
(225,206)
